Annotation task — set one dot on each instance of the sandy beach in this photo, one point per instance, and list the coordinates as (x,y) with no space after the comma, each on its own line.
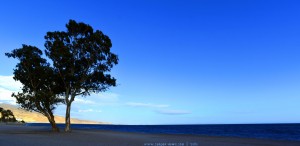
(15,135)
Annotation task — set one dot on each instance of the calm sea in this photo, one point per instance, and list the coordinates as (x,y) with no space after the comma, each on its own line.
(264,131)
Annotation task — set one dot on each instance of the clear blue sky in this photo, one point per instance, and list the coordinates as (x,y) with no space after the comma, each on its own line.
(181,62)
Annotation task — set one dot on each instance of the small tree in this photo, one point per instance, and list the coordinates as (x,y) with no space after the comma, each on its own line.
(40,86)
(11,116)
(4,116)
(82,58)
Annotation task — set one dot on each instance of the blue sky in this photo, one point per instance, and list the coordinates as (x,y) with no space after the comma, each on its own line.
(181,62)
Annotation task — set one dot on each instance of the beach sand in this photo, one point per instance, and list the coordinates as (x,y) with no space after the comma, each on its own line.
(14,135)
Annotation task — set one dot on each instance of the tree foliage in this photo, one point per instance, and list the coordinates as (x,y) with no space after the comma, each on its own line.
(40,85)
(82,59)
(7,115)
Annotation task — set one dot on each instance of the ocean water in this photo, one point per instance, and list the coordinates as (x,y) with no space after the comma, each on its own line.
(262,131)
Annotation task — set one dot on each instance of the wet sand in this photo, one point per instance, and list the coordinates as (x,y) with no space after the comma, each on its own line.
(15,135)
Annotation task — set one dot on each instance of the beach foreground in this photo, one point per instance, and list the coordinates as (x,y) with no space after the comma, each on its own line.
(24,135)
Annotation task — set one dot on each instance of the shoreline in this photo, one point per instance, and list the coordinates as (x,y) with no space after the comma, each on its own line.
(40,135)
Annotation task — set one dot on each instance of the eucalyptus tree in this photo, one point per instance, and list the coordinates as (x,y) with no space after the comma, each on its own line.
(82,58)
(41,89)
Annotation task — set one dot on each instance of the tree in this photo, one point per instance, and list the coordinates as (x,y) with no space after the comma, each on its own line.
(11,116)
(82,58)
(40,86)
(4,115)
(7,115)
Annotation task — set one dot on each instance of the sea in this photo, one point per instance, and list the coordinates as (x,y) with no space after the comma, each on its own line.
(289,132)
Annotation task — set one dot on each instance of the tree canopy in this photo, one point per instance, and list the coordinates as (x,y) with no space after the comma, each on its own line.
(41,88)
(7,115)
(82,58)
(81,61)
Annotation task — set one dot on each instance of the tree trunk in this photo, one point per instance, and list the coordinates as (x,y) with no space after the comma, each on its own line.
(52,122)
(54,126)
(68,119)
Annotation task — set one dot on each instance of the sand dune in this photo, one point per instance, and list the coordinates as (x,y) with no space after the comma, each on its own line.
(34,117)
